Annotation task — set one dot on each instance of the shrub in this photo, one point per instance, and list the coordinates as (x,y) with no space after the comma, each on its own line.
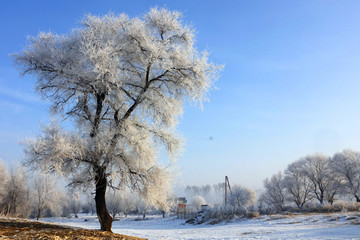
(252,214)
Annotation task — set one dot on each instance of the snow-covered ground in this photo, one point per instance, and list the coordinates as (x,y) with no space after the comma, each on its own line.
(309,226)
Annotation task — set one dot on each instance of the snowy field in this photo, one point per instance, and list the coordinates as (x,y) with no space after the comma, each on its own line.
(309,226)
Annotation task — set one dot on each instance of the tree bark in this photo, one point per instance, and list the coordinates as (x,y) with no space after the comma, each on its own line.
(38,214)
(104,217)
(357,198)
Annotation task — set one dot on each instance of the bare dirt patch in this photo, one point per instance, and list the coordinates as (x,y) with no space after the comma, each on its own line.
(12,228)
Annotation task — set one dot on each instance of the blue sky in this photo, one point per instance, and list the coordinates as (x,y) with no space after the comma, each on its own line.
(290,86)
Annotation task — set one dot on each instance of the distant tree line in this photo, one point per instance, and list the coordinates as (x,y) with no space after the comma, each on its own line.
(240,199)
(39,195)
(313,181)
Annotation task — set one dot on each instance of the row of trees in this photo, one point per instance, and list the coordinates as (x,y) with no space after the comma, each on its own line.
(315,180)
(316,177)
(239,198)
(39,195)
(14,192)
(22,195)
(127,202)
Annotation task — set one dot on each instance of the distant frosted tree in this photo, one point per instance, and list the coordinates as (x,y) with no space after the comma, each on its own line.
(219,192)
(171,203)
(90,203)
(316,168)
(203,191)
(193,190)
(219,187)
(113,201)
(334,189)
(16,201)
(297,185)
(346,165)
(275,194)
(141,206)
(123,81)
(3,181)
(72,204)
(46,195)
(241,197)
(197,201)
(127,202)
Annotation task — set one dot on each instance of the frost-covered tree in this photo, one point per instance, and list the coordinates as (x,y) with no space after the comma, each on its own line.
(127,201)
(171,203)
(74,202)
(90,203)
(123,81)
(334,188)
(346,165)
(241,197)
(297,185)
(141,206)
(3,182)
(275,193)
(219,193)
(197,201)
(203,191)
(16,201)
(113,202)
(316,168)
(46,195)
(193,190)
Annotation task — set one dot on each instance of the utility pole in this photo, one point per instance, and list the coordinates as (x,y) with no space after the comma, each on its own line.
(227,185)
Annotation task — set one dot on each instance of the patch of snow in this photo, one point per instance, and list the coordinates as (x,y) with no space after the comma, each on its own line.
(307,226)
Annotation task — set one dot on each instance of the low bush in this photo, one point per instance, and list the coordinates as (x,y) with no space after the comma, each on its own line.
(217,215)
(252,214)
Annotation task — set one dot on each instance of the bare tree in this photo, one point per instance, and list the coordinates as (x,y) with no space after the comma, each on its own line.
(275,194)
(203,191)
(346,165)
(113,201)
(73,202)
(123,201)
(316,168)
(123,81)
(172,203)
(219,192)
(46,195)
(3,183)
(206,191)
(333,189)
(193,190)
(90,203)
(16,201)
(241,197)
(141,206)
(297,184)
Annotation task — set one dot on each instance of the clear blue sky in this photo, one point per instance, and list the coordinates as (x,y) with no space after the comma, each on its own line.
(290,86)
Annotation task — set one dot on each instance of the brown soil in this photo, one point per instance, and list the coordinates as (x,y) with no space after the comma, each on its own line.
(13,228)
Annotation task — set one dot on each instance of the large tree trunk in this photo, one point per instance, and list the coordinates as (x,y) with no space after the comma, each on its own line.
(38,214)
(104,217)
